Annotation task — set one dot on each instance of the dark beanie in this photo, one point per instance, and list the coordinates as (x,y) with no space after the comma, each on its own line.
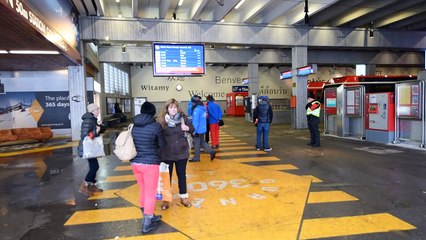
(148,108)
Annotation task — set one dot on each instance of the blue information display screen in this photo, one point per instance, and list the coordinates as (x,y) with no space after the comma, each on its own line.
(178,59)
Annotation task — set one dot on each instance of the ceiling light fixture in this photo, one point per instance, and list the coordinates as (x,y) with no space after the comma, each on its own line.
(3,52)
(32,52)
(117,1)
(371,30)
(180,3)
(239,4)
(223,20)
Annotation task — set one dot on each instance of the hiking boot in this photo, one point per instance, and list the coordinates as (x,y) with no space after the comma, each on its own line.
(93,188)
(84,188)
(148,224)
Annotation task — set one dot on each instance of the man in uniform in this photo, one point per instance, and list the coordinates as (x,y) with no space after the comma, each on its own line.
(313,108)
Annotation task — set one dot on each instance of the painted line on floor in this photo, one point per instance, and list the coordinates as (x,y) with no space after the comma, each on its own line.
(314,179)
(41,149)
(104,215)
(159,236)
(123,178)
(352,225)
(232,144)
(330,196)
(235,148)
(252,159)
(229,141)
(123,168)
(280,167)
(225,154)
(104,195)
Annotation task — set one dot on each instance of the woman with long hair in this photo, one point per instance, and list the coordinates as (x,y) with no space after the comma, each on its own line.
(175,123)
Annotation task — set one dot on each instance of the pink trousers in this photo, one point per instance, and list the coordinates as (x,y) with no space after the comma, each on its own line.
(147,178)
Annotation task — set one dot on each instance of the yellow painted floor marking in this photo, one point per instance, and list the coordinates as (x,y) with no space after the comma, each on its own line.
(41,149)
(160,236)
(122,178)
(232,144)
(281,167)
(314,179)
(229,141)
(253,159)
(104,215)
(330,196)
(226,138)
(123,168)
(344,226)
(222,191)
(224,154)
(105,194)
(236,148)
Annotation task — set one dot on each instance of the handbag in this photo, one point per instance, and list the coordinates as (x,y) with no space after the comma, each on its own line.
(93,148)
(188,136)
(221,122)
(125,148)
(164,191)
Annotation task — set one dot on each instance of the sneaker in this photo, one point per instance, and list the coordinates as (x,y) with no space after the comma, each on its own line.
(267,149)
(212,156)
(258,149)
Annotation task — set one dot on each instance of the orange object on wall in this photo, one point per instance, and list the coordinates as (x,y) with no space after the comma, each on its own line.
(293,101)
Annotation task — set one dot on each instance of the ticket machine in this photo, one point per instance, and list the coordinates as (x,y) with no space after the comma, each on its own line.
(380,117)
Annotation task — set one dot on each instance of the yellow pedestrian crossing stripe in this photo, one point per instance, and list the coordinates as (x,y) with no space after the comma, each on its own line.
(235,148)
(104,195)
(224,154)
(280,167)
(104,215)
(314,179)
(162,236)
(352,225)
(253,159)
(330,196)
(232,144)
(122,178)
(123,168)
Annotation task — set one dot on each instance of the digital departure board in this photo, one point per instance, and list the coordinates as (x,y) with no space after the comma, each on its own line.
(173,59)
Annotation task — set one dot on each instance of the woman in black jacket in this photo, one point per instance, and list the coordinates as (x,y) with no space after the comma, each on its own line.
(148,138)
(90,127)
(177,149)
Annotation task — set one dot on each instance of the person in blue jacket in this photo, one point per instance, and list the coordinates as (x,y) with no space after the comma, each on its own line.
(215,114)
(199,122)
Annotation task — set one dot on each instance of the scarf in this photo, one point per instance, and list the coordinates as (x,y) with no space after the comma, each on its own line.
(172,121)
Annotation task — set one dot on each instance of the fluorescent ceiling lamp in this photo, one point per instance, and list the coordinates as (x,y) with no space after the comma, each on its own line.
(117,1)
(32,52)
(239,4)
(223,20)
(180,3)
(3,52)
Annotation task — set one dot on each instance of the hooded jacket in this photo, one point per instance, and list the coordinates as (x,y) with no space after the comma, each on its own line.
(263,112)
(199,120)
(149,138)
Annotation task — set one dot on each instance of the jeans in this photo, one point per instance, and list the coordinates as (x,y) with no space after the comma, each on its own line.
(180,172)
(262,132)
(198,143)
(93,169)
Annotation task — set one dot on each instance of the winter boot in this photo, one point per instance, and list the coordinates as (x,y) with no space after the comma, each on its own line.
(148,225)
(155,218)
(84,188)
(92,187)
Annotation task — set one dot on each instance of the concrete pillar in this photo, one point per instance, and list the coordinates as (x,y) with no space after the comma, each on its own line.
(77,91)
(370,70)
(253,75)
(299,58)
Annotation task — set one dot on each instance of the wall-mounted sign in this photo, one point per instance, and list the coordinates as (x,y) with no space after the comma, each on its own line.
(240,88)
(306,70)
(286,75)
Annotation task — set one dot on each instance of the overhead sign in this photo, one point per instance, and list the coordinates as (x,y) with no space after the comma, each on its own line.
(306,70)
(240,88)
(286,75)
(22,9)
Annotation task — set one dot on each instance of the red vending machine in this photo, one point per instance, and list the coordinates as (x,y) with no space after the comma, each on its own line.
(380,117)
(235,103)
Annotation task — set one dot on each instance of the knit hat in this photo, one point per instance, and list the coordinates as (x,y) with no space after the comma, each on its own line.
(148,108)
(195,98)
(92,107)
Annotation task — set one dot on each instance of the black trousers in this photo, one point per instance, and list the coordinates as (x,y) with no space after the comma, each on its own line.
(313,125)
(93,169)
(180,172)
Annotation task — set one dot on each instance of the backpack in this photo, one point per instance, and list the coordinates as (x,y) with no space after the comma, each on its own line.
(124,146)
